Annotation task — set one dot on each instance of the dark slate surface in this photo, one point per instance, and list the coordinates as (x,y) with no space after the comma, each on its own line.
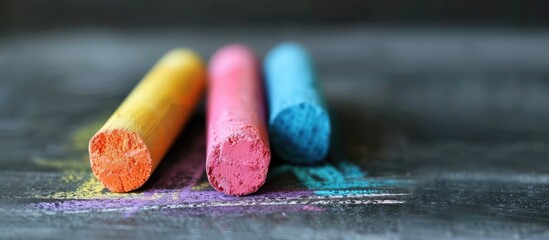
(441,134)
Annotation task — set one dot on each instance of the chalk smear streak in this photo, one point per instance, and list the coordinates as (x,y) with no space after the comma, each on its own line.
(283,201)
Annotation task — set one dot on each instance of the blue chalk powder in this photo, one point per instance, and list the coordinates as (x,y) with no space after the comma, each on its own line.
(299,124)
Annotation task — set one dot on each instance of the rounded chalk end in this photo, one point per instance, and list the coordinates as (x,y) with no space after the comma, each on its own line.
(239,165)
(289,47)
(120,159)
(287,54)
(182,58)
(300,133)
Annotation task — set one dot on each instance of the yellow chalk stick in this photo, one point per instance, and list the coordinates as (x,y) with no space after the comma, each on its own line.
(131,144)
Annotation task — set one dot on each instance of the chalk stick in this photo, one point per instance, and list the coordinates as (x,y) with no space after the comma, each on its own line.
(131,144)
(299,124)
(238,152)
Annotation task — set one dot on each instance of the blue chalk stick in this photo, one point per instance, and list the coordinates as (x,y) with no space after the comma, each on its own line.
(299,124)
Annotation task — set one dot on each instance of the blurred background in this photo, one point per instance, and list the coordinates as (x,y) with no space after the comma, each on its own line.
(44,14)
(429,70)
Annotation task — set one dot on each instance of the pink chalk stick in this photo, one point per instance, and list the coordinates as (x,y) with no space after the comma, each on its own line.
(238,152)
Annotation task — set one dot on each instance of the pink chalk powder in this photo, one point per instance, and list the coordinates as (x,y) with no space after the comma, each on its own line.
(238,152)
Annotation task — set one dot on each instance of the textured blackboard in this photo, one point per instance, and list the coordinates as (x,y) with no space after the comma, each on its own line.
(440,135)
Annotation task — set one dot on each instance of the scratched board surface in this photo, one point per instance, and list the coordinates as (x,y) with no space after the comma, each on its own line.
(439,135)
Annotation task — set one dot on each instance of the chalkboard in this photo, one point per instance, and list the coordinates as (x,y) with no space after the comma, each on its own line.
(438,135)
